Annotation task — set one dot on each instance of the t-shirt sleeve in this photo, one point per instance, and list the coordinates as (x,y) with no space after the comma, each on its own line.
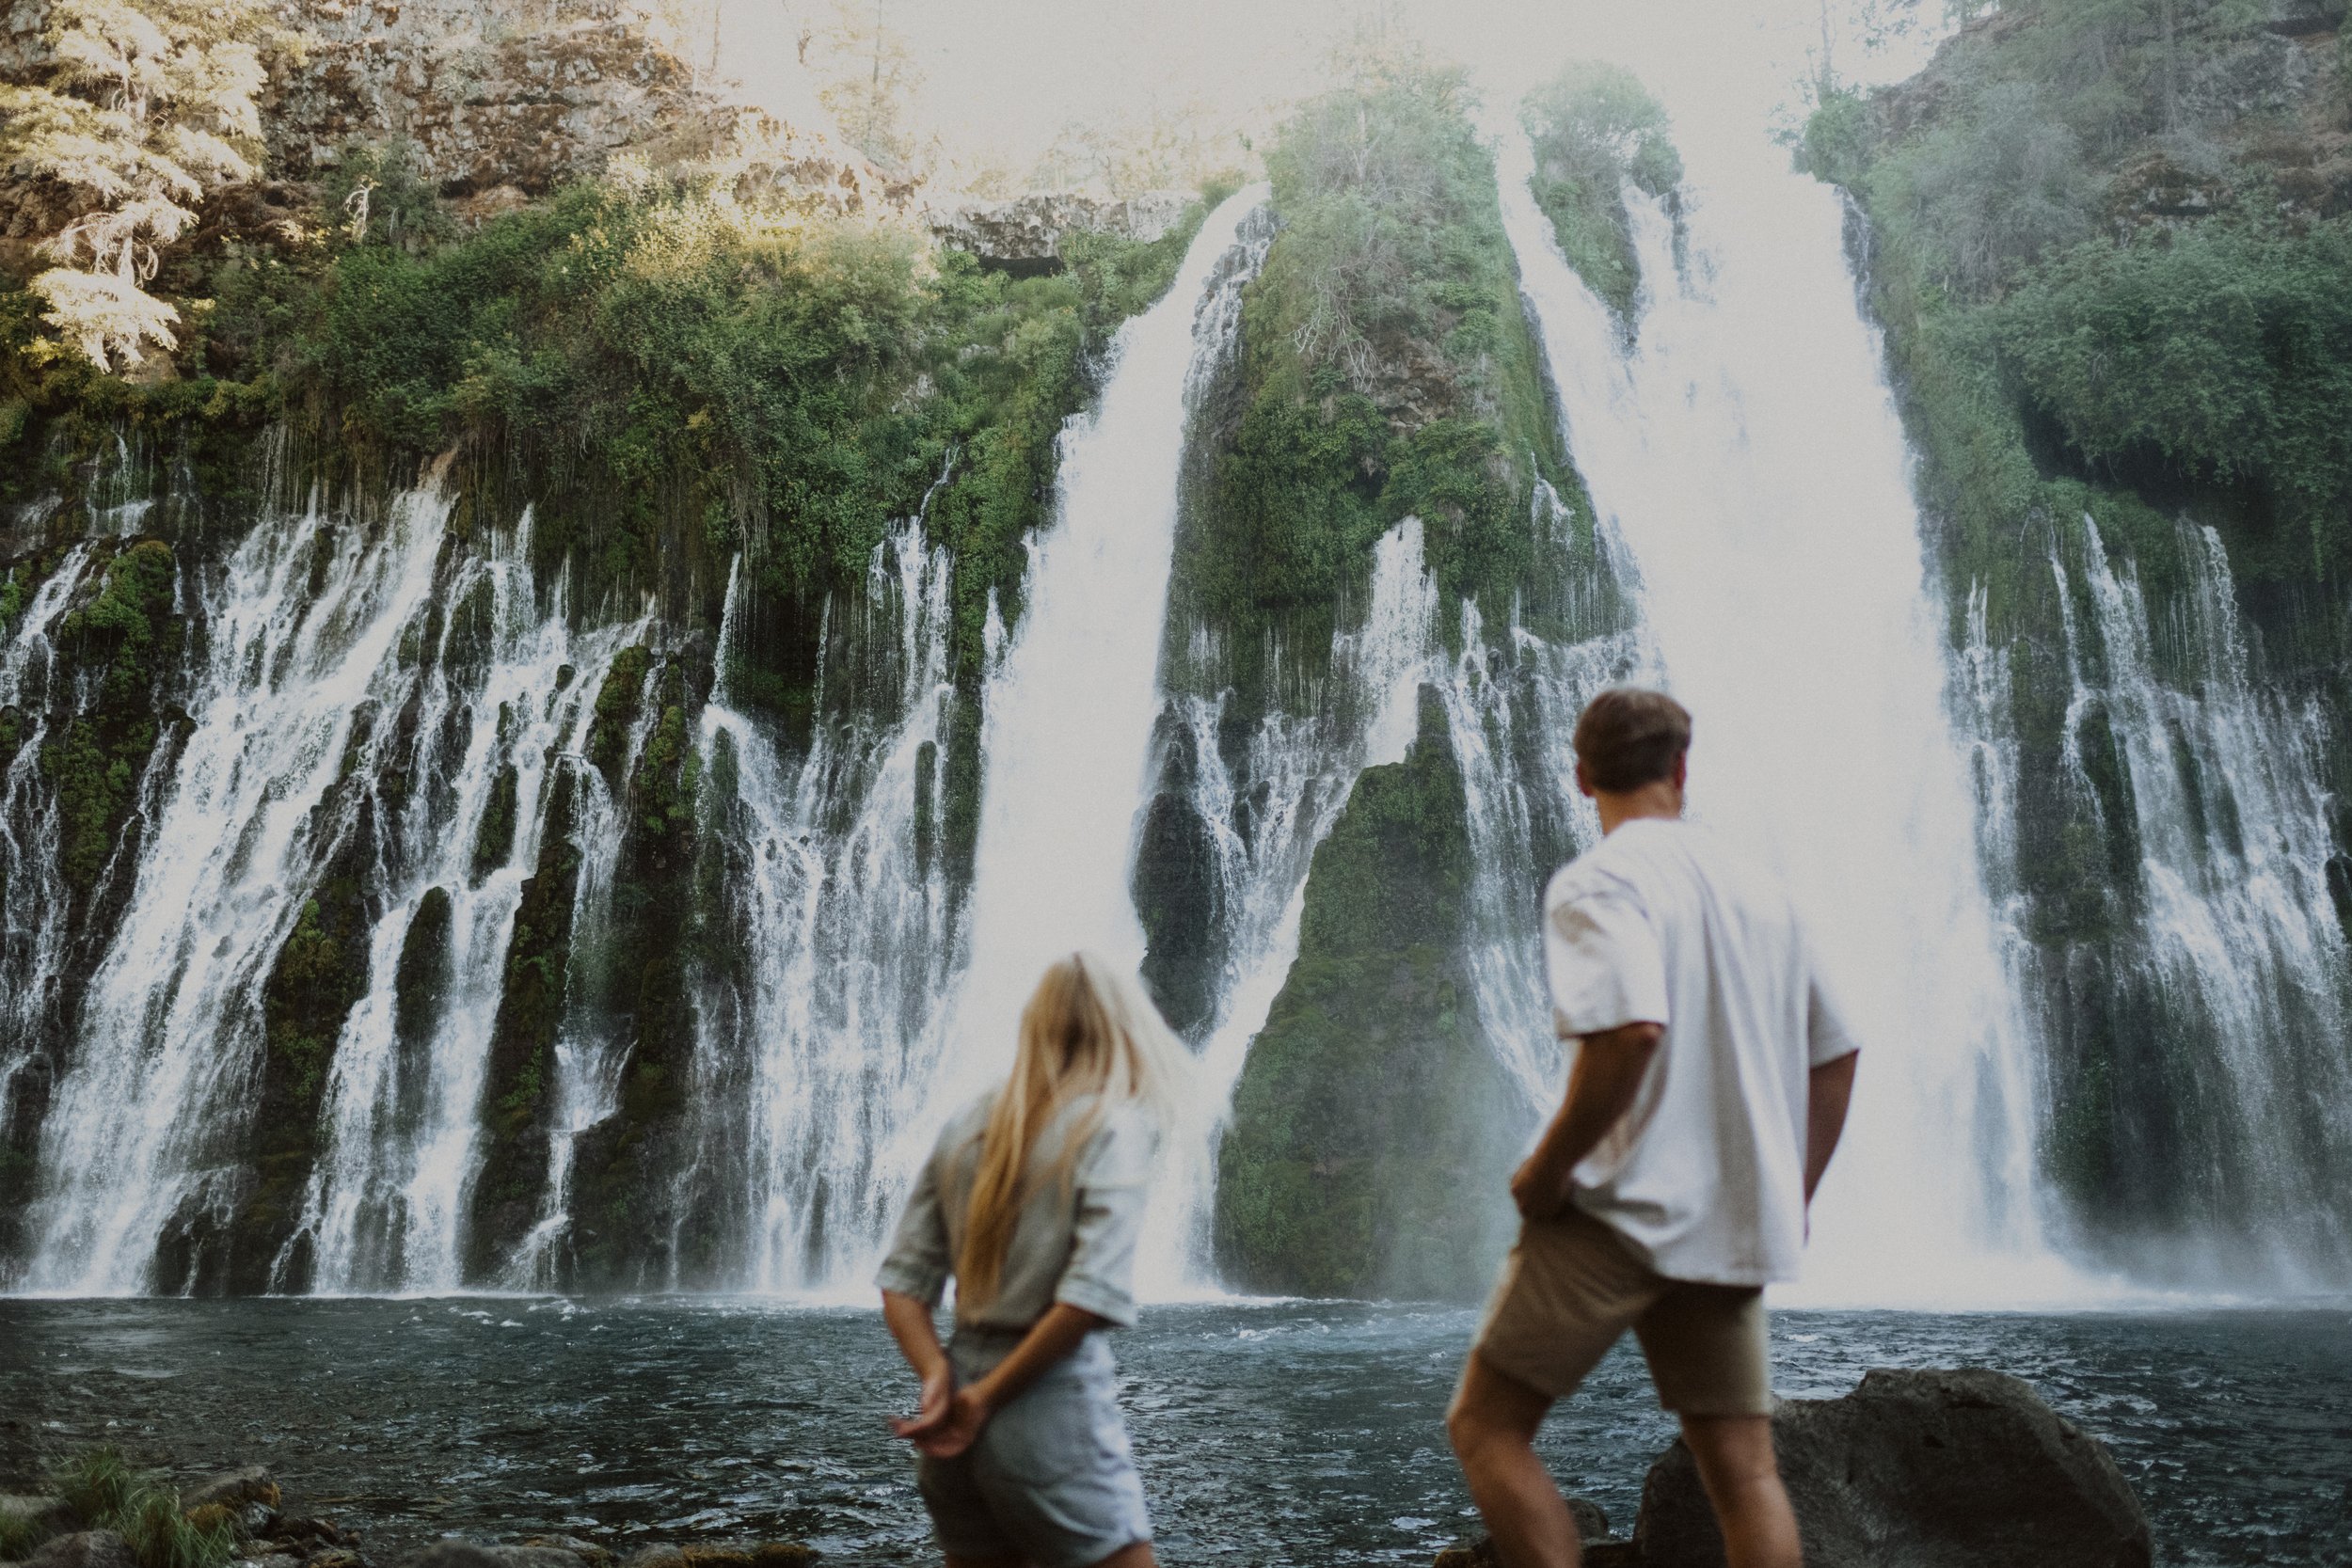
(917,1263)
(1827,1036)
(1112,1179)
(1603,961)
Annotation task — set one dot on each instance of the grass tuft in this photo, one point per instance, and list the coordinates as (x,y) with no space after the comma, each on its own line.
(97,1485)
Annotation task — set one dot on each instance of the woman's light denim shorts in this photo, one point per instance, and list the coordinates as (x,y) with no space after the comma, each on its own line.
(1051,1480)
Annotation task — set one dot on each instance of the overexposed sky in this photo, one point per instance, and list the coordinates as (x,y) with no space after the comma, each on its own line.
(1002,77)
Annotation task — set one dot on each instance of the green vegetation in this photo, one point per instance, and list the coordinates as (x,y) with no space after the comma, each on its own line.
(1371,1103)
(19,1535)
(1593,128)
(95,765)
(1387,368)
(103,1491)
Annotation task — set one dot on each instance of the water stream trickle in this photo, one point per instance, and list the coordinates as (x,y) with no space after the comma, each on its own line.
(495,708)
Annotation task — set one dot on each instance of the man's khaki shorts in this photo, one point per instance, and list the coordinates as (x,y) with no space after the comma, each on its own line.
(1572,1285)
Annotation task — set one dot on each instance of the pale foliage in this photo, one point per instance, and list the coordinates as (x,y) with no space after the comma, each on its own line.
(145,108)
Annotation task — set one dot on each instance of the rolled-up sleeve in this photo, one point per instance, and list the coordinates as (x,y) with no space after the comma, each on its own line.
(917,1263)
(1112,1180)
(1826,1035)
(1603,960)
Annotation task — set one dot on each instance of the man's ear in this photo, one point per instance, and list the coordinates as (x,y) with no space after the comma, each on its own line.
(1584,782)
(1682,770)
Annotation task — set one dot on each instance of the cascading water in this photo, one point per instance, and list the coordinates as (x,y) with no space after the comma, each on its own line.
(810,1057)
(497,707)
(2237,943)
(1071,710)
(32,891)
(1747,450)
(302,670)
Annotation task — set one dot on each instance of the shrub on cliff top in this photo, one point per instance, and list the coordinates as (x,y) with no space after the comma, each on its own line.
(1594,130)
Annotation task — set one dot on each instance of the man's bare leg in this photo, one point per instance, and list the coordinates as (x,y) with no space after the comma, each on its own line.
(1493,1423)
(1743,1480)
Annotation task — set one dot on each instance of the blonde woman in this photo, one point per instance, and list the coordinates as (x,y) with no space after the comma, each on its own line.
(1032,1201)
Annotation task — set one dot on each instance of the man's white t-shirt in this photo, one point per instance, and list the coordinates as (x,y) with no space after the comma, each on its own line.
(1662,923)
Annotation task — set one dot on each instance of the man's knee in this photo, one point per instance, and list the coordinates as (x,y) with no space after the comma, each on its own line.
(1734,1453)
(1491,1408)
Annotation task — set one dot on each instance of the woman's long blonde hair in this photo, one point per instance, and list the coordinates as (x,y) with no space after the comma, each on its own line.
(1088,1029)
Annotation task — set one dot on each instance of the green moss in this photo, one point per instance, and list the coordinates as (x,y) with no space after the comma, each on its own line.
(19,1535)
(619,701)
(1372,1126)
(1594,129)
(494,836)
(1387,368)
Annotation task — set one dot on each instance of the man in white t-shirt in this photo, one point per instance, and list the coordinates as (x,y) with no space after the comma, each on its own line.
(1710,1083)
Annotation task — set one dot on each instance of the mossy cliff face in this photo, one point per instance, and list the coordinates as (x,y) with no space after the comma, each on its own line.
(518,1084)
(1371,1130)
(627,1214)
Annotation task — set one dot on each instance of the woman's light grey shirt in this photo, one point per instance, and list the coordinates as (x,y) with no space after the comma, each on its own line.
(1075,1241)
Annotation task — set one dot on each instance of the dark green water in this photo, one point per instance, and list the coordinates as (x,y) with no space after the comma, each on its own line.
(1291,1433)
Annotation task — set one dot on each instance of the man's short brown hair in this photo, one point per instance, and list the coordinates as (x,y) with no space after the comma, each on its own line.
(1629,736)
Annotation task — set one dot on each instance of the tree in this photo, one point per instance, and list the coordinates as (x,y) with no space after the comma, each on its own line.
(868,79)
(140,108)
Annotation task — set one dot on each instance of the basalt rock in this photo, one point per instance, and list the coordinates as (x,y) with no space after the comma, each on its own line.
(1921,1469)
(472,1553)
(1027,233)
(235,1489)
(90,1548)
(1592,1531)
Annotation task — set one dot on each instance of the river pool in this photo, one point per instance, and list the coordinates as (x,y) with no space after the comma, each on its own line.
(1269,1434)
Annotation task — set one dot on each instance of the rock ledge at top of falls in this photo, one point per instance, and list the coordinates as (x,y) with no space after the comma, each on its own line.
(1963,1468)
(1030,230)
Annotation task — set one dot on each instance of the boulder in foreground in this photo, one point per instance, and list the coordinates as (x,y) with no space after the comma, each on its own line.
(1921,1469)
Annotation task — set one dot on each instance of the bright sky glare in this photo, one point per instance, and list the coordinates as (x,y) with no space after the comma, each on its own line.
(1002,77)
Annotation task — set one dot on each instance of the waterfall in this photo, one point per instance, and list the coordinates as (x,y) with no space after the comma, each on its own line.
(1069,711)
(808,1059)
(301,665)
(1747,451)
(498,708)
(2238,946)
(32,891)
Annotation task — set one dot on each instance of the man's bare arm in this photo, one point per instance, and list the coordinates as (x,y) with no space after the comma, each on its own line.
(1608,1075)
(1827,1091)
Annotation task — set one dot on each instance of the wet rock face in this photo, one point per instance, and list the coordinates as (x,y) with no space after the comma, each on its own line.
(1921,1469)
(1027,233)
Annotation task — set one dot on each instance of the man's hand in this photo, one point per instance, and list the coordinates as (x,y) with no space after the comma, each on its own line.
(1538,1193)
(1603,1087)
